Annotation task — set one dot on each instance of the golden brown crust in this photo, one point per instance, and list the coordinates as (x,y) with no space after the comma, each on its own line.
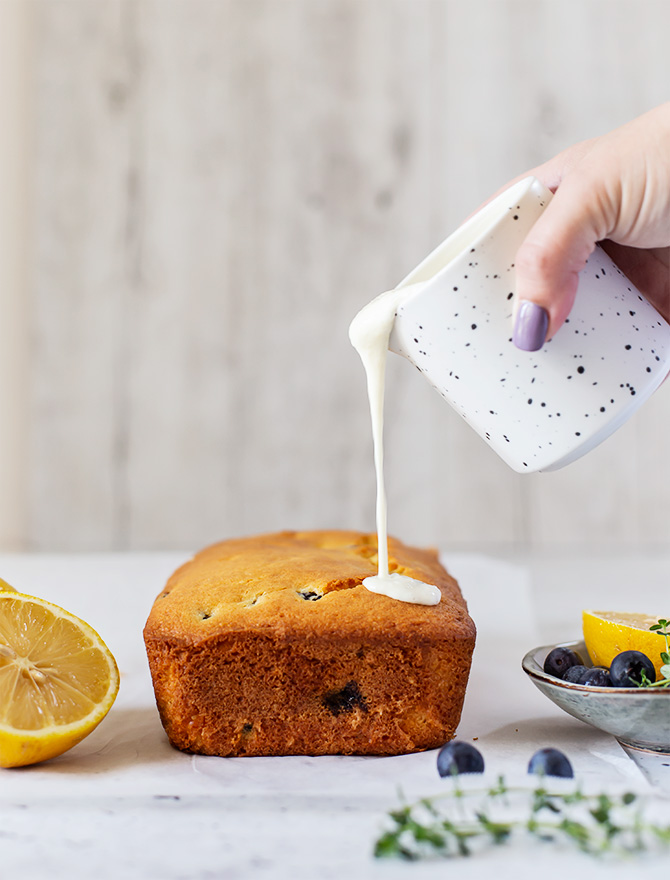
(271,645)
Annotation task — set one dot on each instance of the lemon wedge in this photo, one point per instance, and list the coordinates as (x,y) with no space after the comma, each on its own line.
(608,633)
(58,679)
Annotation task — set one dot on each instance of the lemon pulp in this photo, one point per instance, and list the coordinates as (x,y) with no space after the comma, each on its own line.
(58,679)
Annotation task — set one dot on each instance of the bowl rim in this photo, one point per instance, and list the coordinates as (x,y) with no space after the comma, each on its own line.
(533,669)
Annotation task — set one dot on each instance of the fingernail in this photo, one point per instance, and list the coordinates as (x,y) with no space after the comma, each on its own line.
(530,326)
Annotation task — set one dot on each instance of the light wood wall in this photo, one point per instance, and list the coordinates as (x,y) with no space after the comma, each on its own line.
(219,185)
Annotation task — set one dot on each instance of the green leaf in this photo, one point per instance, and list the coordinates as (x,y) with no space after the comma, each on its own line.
(663,834)
(602,812)
(428,835)
(401,816)
(577,831)
(665,670)
(499,831)
(387,846)
(463,847)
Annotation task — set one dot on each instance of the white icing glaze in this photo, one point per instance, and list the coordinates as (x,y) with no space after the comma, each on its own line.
(369,334)
(403,588)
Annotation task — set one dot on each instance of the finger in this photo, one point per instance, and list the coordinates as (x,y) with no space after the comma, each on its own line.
(554,252)
(550,173)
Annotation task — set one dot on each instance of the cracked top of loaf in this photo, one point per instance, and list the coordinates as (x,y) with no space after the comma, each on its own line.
(302,583)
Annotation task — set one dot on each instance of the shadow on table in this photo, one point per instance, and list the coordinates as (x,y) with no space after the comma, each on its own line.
(127,737)
(586,747)
(542,731)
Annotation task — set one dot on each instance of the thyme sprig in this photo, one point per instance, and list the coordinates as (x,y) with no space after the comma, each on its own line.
(663,629)
(464,821)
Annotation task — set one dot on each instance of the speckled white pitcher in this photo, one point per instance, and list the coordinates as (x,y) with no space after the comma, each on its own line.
(538,410)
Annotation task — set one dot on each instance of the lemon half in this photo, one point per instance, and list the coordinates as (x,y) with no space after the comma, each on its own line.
(58,679)
(608,633)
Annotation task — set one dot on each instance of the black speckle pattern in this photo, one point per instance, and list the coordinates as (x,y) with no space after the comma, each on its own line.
(310,595)
(457,330)
(346,700)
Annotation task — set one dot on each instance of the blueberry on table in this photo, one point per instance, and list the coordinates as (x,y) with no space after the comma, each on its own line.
(626,669)
(459,757)
(560,660)
(597,676)
(576,674)
(550,762)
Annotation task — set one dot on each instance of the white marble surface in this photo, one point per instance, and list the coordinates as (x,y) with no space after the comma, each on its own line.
(125,804)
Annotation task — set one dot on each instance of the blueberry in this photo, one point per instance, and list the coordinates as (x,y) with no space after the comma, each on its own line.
(597,676)
(626,669)
(575,674)
(550,762)
(459,757)
(559,661)
(346,700)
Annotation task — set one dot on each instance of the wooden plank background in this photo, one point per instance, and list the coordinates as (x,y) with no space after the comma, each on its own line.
(219,185)
(16,109)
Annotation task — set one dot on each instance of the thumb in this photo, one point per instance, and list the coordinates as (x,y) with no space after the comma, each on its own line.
(551,257)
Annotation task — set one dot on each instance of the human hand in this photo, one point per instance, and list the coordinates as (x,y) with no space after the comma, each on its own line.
(614,190)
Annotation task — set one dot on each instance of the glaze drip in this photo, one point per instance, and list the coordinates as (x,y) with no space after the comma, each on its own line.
(369,333)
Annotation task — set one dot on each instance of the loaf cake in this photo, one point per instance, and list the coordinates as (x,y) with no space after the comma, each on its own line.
(271,645)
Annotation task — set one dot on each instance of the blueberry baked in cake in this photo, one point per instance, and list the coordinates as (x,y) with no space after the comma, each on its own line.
(271,645)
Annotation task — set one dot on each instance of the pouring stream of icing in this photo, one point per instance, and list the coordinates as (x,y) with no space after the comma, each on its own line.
(369,334)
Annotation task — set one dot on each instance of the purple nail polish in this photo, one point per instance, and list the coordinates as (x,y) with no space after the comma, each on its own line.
(530,326)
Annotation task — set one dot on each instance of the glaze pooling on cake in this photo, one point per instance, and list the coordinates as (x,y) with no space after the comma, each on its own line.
(270,670)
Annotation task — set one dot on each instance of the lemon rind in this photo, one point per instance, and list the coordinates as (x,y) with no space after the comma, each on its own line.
(33,745)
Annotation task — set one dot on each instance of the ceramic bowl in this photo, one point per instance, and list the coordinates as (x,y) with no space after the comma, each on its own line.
(639,718)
